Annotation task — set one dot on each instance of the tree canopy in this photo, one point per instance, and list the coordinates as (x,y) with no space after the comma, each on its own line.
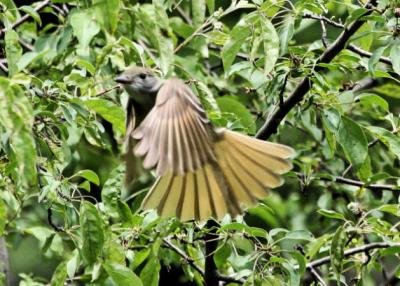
(319,76)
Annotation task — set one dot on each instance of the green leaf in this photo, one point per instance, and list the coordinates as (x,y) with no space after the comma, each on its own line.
(388,138)
(31,12)
(229,105)
(88,175)
(271,7)
(59,275)
(236,38)
(395,57)
(146,17)
(106,13)
(150,275)
(337,250)
(286,32)
(299,235)
(85,27)
(353,141)
(111,191)
(91,231)
(13,51)
(331,214)
(3,216)
(16,117)
(109,111)
(374,59)
(121,275)
(369,100)
(271,44)
(198,12)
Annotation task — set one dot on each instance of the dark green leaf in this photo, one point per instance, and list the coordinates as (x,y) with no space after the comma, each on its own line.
(353,141)
(92,232)
(121,275)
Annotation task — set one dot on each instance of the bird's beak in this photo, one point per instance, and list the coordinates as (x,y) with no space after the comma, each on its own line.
(122,79)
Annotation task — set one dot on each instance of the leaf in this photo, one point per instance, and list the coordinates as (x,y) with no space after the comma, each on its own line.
(286,32)
(353,141)
(88,175)
(3,216)
(395,57)
(150,274)
(111,191)
(85,27)
(73,264)
(236,38)
(59,275)
(331,214)
(109,111)
(377,53)
(337,250)
(369,100)
(271,44)
(230,105)
(121,275)
(16,117)
(271,7)
(106,12)
(388,138)
(164,45)
(91,231)
(198,12)
(13,51)
(299,235)
(32,12)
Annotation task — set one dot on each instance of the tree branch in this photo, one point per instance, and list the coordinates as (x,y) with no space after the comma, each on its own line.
(271,125)
(26,16)
(373,187)
(350,252)
(192,263)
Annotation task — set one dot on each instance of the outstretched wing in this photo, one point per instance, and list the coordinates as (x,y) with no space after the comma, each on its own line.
(176,135)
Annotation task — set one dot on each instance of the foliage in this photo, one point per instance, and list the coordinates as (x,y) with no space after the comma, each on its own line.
(62,127)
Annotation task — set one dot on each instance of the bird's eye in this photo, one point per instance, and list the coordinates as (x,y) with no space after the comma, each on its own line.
(142,76)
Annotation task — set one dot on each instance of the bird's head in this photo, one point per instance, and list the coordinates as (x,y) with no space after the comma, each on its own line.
(138,80)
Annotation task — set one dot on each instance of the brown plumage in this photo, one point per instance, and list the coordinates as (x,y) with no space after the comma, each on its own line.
(202,171)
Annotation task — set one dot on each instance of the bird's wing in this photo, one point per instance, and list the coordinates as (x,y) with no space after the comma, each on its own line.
(175,136)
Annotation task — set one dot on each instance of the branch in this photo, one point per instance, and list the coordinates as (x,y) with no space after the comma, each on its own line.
(325,19)
(350,252)
(182,254)
(373,187)
(193,264)
(271,125)
(350,47)
(367,54)
(26,16)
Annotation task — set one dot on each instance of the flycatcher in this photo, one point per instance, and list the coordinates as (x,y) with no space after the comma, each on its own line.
(202,171)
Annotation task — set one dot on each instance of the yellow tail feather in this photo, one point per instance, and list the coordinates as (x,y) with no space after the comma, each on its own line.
(245,169)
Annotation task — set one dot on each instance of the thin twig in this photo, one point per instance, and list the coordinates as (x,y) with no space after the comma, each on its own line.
(324,34)
(350,252)
(3,68)
(182,254)
(26,16)
(317,276)
(271,125)
(107,90)
(325,19)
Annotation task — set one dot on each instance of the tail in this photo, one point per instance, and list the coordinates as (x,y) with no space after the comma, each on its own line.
(245,170)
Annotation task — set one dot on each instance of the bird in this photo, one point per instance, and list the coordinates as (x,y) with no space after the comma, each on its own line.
(202,171)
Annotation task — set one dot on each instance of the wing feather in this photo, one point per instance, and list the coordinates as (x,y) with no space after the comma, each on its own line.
(176,134)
